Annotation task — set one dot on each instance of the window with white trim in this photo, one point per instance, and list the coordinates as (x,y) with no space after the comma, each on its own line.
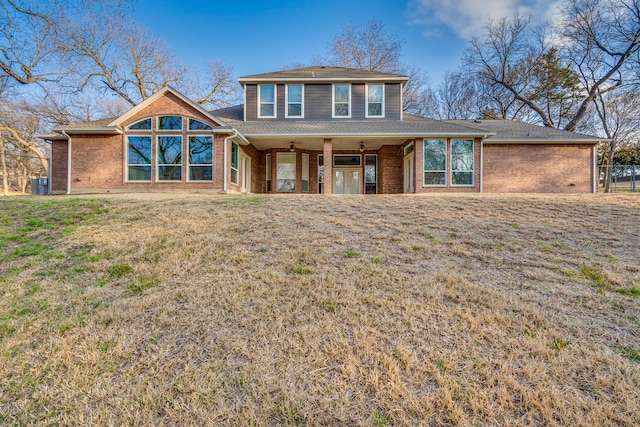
(341,100)
(347,160)
(435,162)
(320,174)
(169,158)
(370,174)
(170,123)
(266,101)
(235,152)
(375,100)
(144,124)
(462,162)
(268,172)
(139,158)
(200,158)
(295,101)
(195,124)
(286,172)
(305,173)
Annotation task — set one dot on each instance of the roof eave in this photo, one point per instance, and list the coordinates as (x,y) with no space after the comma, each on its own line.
(545,141)
(370,135)
(242,80)
(107,130)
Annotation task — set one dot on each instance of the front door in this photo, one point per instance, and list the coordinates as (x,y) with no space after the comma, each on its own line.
(246,175)
(347,181)
(409,171)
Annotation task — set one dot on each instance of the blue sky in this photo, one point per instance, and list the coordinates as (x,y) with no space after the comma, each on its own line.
(262,36)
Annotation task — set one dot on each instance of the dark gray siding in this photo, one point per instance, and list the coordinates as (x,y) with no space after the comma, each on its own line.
(251,105)
(280,101)
(357,101)
(392,105)
(317,101)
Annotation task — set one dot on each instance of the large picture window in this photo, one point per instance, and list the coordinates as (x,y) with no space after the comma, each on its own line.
(342,100)
(200,158)
(139,158)
(375,100)
(169,158)
(462,162)
(435,162)
(295,96)
(195,124)
(144,124)
(266,101)
(170,123)
(286,172)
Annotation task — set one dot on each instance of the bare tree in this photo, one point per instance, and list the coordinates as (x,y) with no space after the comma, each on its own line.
(370,47)
(28,51)
(367,47)
(557,73)
(618,115)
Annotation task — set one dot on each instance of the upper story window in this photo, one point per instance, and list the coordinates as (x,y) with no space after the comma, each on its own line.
(144,124)
(170,123)
(375,100)
(195,124)
(295,100)
(342,100)
(266,100)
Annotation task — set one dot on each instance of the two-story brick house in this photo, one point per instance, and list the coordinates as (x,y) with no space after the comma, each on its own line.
(324,130)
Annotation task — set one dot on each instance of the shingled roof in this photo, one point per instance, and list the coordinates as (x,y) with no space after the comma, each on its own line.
(514,131)
(323,73)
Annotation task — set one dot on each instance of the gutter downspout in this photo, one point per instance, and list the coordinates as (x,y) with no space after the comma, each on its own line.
(68,161)
(226,142)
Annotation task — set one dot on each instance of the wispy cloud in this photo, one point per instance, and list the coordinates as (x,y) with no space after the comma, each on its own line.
(467,18)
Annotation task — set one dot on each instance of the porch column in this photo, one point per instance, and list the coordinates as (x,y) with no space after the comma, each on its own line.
(328,166)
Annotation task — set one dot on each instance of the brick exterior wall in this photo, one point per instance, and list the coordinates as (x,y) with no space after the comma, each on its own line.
(98,162)
(525,168)
(59,162)
(390,173)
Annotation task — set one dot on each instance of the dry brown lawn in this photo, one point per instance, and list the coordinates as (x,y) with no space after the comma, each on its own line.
(312,310)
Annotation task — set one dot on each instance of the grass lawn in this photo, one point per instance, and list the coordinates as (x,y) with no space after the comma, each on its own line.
(311,310)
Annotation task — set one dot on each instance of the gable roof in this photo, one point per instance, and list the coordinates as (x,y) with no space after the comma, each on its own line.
(157,95)
(508,131)
(324,73)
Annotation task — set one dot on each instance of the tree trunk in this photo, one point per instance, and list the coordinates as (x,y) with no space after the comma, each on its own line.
(3,161)
(25,144)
